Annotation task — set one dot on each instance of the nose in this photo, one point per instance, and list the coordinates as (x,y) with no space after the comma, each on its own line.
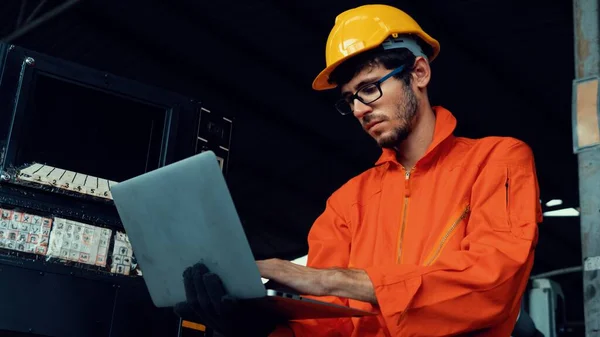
(361,109)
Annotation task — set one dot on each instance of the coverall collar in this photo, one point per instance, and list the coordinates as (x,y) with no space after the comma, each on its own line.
(445,123)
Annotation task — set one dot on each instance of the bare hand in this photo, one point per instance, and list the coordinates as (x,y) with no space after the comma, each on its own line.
(305,280)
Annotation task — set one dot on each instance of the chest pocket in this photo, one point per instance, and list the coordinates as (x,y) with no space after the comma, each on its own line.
(455,225)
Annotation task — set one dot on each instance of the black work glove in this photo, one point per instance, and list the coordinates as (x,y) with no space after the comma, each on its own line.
(208,303)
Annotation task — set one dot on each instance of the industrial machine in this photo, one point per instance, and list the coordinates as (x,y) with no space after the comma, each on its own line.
(67,134)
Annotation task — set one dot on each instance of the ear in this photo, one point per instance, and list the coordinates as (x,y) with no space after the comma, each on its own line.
(421,73)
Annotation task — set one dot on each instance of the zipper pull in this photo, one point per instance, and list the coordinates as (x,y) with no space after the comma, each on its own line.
(406,184)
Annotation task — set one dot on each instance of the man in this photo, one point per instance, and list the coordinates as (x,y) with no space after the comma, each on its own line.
(438,237)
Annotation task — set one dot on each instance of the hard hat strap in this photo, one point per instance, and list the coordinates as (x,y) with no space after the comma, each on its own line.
(403,41)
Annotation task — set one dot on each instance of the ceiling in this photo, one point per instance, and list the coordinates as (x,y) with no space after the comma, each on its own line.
(505,69)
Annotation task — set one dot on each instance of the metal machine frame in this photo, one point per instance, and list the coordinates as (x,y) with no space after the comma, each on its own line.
(53,299)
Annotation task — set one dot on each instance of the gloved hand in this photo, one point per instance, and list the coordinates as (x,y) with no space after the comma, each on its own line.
(208,303)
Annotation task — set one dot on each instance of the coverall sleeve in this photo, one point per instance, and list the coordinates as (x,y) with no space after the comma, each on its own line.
(481,284)
(329,246)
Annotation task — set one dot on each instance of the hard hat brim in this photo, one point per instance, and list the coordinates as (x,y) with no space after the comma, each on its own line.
(321,82)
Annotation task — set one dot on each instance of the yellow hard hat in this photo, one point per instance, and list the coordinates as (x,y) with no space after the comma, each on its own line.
(363,28)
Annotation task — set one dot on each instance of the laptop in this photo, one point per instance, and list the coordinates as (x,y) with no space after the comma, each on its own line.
(183,213)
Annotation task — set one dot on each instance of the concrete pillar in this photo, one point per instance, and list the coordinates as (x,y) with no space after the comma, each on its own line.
(586,144)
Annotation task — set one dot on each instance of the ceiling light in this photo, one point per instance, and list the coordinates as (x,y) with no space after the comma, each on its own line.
(562,212)
(554,202)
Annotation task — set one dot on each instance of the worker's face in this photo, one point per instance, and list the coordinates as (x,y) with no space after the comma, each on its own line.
(389,119)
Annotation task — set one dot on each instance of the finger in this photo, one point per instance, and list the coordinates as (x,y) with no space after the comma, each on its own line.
(202,298)
(215,289)
(190,287)
(191,297)
(270,268)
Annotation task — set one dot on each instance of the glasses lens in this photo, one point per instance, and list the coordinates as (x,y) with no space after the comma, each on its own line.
(344,107)
(369,93)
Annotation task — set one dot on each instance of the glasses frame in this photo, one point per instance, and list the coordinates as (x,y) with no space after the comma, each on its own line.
(355,96)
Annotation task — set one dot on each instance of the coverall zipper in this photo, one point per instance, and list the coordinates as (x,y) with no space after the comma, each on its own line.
(404,210)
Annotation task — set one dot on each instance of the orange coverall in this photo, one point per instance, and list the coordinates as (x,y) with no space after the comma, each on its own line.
(448,245)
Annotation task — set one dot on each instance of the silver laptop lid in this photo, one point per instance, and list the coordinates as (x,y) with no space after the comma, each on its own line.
(181,214)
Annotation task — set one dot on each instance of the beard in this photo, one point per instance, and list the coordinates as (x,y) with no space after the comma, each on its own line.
(406,110)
